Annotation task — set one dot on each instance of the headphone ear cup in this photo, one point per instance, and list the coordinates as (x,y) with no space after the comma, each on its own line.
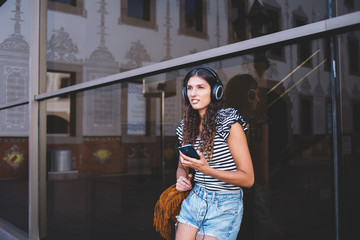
(184,93)
(217,92)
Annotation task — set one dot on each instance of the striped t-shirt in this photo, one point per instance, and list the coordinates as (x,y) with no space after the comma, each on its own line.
(222,158)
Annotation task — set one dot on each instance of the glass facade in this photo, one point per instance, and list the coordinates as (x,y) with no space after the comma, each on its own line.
(14,167)
(108,139)
(14,120)
(350,144)
(347,6)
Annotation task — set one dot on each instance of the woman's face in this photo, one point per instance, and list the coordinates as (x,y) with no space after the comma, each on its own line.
(199,93)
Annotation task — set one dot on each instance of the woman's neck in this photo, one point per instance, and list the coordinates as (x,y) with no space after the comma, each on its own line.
(202,114)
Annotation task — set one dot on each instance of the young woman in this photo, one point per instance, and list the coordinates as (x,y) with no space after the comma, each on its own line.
(214,207)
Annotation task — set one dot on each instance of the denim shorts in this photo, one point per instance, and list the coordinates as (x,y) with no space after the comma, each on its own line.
(214,213)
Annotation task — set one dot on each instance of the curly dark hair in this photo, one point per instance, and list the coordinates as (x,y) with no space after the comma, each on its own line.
(192,118)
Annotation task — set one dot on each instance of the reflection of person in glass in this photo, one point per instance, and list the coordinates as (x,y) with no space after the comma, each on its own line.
(214,207)
(242,93)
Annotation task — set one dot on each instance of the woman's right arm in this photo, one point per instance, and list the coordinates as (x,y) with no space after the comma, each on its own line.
(183,182)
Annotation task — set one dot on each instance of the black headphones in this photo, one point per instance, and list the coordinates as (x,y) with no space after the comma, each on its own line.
(217,90)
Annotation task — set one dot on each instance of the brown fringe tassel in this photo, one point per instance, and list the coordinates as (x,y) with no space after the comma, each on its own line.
(166,209)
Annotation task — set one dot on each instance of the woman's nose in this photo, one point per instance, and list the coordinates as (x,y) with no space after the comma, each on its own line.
(193,92)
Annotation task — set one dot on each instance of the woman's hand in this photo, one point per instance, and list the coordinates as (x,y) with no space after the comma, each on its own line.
(198,164)
(183,184)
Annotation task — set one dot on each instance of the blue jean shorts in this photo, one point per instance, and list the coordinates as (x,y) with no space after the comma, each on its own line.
(214,213)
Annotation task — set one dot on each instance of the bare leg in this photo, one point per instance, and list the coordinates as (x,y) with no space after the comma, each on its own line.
(185,232)
(202,237)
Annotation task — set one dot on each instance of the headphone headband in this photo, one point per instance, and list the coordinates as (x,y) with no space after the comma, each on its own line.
(187,76)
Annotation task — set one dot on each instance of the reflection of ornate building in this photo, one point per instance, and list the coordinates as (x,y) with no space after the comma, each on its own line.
(61,48)
(160,32)
(14,79)
(14,85)
(101,106)
(121,137)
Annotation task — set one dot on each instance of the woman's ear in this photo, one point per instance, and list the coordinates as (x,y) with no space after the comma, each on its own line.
(251,95)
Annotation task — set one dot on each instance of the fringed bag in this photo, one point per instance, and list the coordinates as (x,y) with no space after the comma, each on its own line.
(167,208)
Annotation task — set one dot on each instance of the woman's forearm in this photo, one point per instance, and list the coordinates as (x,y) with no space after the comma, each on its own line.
(238,177)
(180,172)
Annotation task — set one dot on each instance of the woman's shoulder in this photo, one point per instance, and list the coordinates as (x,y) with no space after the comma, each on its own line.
(179,129)
(228,114)
(181,124)
(226,117)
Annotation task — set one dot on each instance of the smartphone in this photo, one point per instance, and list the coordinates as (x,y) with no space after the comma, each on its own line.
(189,151)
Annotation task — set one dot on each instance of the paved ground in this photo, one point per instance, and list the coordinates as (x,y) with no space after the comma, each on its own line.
(10,233)
(6,236)
(121,207)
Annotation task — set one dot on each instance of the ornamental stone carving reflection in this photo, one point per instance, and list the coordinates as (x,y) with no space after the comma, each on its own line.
(101,56)
(15,43)
(136,55)
(61,48)
(101,106)
(14,79)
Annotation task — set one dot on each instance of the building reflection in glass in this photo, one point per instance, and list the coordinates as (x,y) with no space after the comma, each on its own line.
(111,149)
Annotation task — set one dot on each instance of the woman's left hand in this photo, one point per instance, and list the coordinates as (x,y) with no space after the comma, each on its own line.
(198,164)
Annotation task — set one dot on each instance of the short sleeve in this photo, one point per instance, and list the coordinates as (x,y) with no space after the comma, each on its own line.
(179,131)
(227,117)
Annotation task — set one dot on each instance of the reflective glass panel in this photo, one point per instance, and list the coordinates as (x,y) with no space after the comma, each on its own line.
(286,102)
(14,167)
(107,178)
(14,51)
(103,180)
(350,105)
(114,35)
(15,34)
(347,6)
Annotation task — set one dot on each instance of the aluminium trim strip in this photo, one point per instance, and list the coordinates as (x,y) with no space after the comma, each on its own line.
(33,151)
(13,104)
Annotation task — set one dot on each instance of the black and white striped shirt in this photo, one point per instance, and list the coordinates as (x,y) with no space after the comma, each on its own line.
(222,158)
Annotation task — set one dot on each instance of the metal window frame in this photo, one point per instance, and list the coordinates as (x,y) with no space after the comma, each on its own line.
(33,121)
(37,113)
(37,142)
